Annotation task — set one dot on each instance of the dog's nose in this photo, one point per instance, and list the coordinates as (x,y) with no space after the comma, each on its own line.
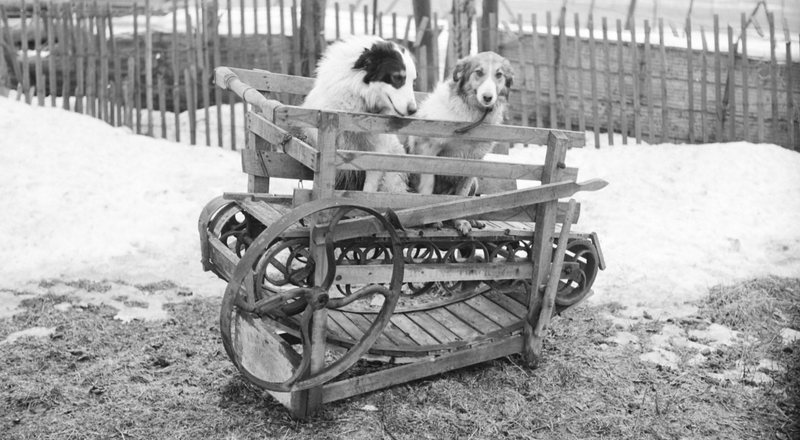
(487,98)
(412,109)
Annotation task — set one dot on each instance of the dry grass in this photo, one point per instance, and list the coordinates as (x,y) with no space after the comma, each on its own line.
(100,378)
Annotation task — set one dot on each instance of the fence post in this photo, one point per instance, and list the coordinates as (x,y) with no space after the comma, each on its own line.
(746,81)
(623,102)
(690,76)
(773,71)
(593,71)
(609,106)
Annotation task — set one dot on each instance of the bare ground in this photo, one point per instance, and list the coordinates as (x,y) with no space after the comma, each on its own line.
(96,377)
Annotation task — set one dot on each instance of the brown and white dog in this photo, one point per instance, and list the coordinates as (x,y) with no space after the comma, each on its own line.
(371,75)
(480,86)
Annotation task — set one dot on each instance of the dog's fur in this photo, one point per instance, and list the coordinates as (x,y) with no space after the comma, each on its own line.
(479,83)
(366,74)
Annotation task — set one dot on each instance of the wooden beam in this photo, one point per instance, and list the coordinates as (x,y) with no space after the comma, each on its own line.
(273,134)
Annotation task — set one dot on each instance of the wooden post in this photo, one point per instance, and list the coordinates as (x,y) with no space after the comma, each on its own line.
(137,79)
(102,95)
(690,76)
(773,72)
(127,90)
(80,58)
(562,67)
(542,247)
(790,105)
(704,88)
(623,101)
(366,20)
(40,86)
(648,72)
(205,70)
(117,89)
(664,106)
(637,125)
(579,76)
(176,75)
(312,34)
(609,106)
(552,72)
(760,108)
(26,73)
(69,54)
(485,27)
(296,59)
(4,76)
(731,85)
(148,67)
(536,74)
(162,106)
(422,82)
(191,106)
(523,73)
(216,63)
(352,19)
(718,81)
(270,47)
(746,81)
(593,72)
(422,11)
(52,20)
(91,66)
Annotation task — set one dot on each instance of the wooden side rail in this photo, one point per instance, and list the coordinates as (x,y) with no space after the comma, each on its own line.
(292,116)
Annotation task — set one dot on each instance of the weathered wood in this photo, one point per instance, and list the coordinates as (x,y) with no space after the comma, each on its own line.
(127,91)
(187,80)
(536,73)
(68,55)
(102,92)
(175,88)
(773,75)
(52,26)
(664,104)
(91,66)
(609,100)
(746,81)
(523,70)
(217,60)
(562,67)
(551,74)
(433,327)
(623,99)
(636,88)
(790,104)
(549,297)
(205,70)
(760,109)
(731,85)
(273,134)
(648,72)
(541,249)
(704,88)
(290,116)
(718,134)
(495,313)
(472,317)
(424,368)
(4,75)
(162,106)
(422,273)
(274,164)
(580,75)
(37,44)
(26,74)
(593,72)
(690,76)
(137,67)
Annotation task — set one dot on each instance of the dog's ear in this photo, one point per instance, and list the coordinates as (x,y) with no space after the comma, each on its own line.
(508,71)
(462,69)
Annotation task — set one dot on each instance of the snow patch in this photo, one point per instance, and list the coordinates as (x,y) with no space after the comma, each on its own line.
(33,332)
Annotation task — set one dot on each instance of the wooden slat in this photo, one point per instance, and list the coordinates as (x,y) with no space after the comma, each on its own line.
(623,99)
(414,331)
(731,86)
(609,100)
(398,337)
(345,324)
(26,75)
(464,208)
(593,72)
(453,323)
(760,109)
(690,76)
(409,372)
(565,82)
(579,74)
(551,74)
(718,134)
(275,164)
(363,325)
(263,212)
(335,330)
(516,308)
(746,81)
(648,72)
(52,25)
(773,74)
(665,129)
(290,116)
(473,318)
(704,88)
(536,73)
(417,273)
(637,109)
(433,327)
(497,314)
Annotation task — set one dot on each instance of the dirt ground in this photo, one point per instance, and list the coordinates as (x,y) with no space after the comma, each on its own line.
(97,377)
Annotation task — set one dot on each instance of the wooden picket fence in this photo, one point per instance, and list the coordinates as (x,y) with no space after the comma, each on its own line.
(606,83)
(649,91)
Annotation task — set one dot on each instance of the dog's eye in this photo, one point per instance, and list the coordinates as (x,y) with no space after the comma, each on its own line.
(479,72)
(499,74)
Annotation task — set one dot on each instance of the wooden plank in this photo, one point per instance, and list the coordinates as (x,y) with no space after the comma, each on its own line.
(162,105)
(275,135)
(453,323)
(523,70)
(417,370)
(636,89)
(704,88)
(37,44)
(690,76)
(137,86)
(648,72)
(91,66)
(345,324)
(593,72)
(216,62)
(773,74)
(69,55)
(473,318)
(718,134)
(204,60)
(439,332)
(623,99)
(26,74)
(579,76)
(422,272)
(127,91)
(536,72)
(760,108)
(609,105)
(746,81)
(665,129)
(52,25)
(790,104)
(290,116)
(187,79)
(268,64)
(551,73)
(731,85)
(418,334)
(102,95)
(473,206)
(495,313)
(4,75)
(80,60)
(275,164)
(562,66)
(116,103)
(514,307)
(363,326)
(175,88)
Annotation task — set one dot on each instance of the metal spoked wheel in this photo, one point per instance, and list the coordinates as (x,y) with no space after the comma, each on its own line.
(577,283)
(264,252)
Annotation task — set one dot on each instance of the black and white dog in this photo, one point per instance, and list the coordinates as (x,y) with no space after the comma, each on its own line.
(372,75)
(477,91)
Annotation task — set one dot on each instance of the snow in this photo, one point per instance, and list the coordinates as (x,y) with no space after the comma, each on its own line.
(85,200)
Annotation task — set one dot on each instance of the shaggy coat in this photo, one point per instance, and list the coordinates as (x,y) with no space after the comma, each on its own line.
(480,85)
(369,75)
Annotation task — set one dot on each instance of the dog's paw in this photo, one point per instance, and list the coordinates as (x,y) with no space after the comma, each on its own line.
(463,227)
(477,224)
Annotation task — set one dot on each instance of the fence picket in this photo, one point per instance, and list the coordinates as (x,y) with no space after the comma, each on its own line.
(731,86)
(648,72)
(690,76)
(637,126)
(623,104)
(718,135)
(664,104)
(593,72)
(704,88)
(746,81)
(773,73)
(579,76)
(609,106)
(26,73)
(51,59)
(553,115)
(37,44)
(563,68)
(536,73)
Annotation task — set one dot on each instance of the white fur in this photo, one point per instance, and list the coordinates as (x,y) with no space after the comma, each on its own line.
(338,86)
